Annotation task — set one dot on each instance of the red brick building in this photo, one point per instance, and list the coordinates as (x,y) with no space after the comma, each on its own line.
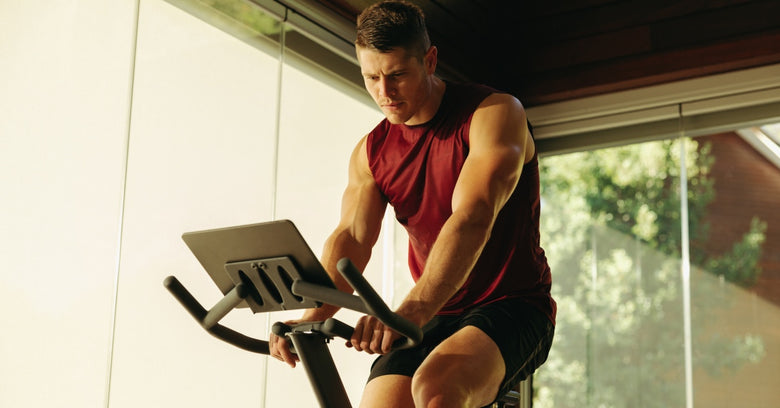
(747,185)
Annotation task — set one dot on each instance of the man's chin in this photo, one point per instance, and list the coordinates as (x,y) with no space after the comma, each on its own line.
(395,119)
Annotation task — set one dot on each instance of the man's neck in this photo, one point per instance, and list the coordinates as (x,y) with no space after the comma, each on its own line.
(428,111)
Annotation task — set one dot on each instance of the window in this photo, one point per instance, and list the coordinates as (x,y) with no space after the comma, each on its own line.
(641,294)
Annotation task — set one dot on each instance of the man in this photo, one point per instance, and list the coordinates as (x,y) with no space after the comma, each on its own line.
(459,166)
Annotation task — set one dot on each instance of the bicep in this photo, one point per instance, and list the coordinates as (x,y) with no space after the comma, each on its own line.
(499,142)
(362,205)
(362,208)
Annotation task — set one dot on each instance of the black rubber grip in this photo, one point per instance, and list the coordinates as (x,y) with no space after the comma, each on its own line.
(332,328)
(377,307)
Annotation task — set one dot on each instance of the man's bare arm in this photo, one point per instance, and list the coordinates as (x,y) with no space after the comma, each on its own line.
(362,209)
(499,147)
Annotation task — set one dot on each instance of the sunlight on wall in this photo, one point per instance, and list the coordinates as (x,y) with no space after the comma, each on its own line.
(64,101)
(203,119)
(313,158)
(201,154)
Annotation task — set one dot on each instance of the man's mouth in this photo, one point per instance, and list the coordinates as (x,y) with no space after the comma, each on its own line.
(391,105)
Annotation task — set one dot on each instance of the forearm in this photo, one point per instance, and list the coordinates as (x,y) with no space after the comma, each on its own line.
(340,244)
(498,149)
(450,261)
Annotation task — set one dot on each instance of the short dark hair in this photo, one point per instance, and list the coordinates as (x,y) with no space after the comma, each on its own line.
(392,24)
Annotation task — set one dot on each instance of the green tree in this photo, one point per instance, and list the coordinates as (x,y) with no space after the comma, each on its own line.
(612,232)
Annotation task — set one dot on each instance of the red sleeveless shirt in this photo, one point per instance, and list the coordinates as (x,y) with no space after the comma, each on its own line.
(416,168)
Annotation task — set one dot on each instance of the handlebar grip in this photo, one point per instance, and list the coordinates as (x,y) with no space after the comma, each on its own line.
(280,329)
(185,298)
(208,319)
(378,307)
(332,327)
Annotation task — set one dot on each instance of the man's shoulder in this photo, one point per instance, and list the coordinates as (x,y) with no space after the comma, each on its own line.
(471,96)
(470,88)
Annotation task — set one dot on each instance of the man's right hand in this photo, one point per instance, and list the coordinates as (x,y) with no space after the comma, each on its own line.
(280,347)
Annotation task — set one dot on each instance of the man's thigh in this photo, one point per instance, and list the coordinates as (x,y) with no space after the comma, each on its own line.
(405,362)
(388,391)
(522,334)
(466,366)
(469,363)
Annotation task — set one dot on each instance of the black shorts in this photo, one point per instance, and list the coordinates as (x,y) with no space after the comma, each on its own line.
(521,331)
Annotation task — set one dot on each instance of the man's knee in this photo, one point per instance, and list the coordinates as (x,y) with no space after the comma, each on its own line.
(453,381)
(464,370)
(432,391)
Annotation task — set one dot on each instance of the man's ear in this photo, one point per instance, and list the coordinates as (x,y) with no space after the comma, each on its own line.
(431,59)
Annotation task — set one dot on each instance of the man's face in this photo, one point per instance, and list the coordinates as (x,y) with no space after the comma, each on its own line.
(397,81)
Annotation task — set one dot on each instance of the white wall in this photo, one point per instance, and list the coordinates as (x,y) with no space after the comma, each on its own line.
(64,98)
(198,148)
(313,158)
(203,118)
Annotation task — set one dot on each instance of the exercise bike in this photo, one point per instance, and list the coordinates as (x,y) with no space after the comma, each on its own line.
(270,267)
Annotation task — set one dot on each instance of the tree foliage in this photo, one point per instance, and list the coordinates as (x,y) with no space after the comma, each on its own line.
(612,231)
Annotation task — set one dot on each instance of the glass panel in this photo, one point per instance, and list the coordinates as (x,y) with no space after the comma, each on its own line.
(320,124)
(64,100)
(611,231)
(201,156)
(735,276)
(611,228)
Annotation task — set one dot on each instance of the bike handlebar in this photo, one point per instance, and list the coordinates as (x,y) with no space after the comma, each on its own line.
(209,319)
(367,301)
(377,307)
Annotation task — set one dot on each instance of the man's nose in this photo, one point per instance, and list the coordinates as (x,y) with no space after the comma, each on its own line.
(385,88)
